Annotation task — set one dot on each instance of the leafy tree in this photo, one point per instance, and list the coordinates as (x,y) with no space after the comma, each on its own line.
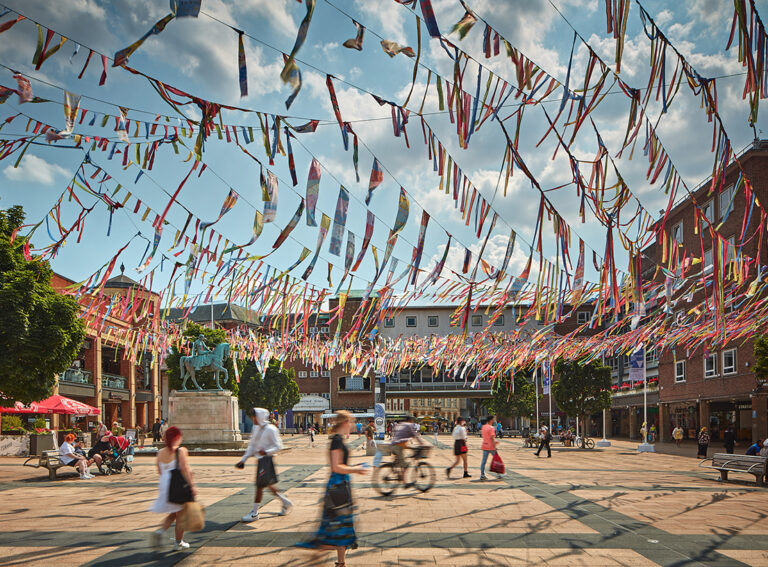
(276,389)
(509,400)
(582,389)
(40,332)
(205,378)
(761,358)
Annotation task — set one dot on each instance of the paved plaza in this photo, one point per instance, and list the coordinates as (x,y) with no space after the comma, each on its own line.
(600,507)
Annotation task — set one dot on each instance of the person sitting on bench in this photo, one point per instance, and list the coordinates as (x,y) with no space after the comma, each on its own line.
(81,451)
(69,456)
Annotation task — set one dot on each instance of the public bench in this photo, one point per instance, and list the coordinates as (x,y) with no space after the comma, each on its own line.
(726,462)
(49,460)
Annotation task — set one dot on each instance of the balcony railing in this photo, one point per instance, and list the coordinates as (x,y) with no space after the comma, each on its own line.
(437,386)
(77,376)
(113,381)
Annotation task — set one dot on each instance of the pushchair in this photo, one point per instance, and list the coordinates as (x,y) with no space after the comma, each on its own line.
(118,457)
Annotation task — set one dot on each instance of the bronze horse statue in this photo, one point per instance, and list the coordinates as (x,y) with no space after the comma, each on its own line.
(213,360)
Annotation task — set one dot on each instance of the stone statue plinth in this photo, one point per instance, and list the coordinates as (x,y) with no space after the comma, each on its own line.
(208,419)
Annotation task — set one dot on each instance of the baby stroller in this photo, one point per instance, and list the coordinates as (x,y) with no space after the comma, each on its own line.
(119,456)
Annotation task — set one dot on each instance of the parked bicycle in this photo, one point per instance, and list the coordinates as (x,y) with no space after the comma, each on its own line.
(416,473)
(584,442)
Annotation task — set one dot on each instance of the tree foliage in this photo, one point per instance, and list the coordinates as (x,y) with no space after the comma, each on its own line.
(276,389)
(205,378)
(582,389)
(40,332)
(761,358)
(512,398)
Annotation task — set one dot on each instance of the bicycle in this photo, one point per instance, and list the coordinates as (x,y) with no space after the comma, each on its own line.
(417,473)
(585,442)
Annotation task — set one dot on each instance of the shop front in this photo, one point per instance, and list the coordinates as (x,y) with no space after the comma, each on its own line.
(309,410)
(684,415)
(627,412)
(736,414)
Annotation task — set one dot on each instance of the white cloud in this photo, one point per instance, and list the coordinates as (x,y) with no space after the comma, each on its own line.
(35,170)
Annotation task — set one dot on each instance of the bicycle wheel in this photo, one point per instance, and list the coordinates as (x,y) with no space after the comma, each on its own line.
(590,443)
(422,476)
(386,479)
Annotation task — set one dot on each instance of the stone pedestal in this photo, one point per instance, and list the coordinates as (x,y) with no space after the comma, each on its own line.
(207,419)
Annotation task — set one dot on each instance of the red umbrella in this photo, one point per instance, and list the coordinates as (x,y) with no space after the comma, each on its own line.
(54,404)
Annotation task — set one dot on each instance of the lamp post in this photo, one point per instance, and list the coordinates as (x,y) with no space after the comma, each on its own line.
(645,447)
(604,442)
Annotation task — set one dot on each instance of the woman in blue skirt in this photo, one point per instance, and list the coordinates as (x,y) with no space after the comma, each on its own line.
(337,525)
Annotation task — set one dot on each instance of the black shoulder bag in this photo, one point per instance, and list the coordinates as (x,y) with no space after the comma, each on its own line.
(179,491)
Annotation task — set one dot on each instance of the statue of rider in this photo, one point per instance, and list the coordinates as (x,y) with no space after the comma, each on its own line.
(199,350)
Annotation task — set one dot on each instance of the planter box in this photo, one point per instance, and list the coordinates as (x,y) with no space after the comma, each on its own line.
(14,445)
(40,443)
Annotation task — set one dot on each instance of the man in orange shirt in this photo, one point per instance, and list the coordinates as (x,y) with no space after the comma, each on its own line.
(489,443)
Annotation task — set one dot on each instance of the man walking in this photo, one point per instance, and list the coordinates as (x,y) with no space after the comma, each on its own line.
(156,431)
(489,443)
(265,443)
(546,437)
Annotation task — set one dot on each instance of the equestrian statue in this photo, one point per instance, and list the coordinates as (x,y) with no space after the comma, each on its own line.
(204,358)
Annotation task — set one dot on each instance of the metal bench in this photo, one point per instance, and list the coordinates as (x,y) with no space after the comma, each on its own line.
(49,460)
(726,462)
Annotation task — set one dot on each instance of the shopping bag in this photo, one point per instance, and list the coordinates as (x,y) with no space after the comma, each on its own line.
(193,517)
(265,472)
(497,465)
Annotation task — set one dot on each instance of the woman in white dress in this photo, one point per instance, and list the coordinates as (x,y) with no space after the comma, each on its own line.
(168,458)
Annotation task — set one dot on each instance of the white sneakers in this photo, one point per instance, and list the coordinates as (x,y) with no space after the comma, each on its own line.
(86,476)
(179,545)
(287,507)
(250,517)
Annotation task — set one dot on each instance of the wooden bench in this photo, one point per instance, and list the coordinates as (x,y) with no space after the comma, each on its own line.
(727,462)
(49,460)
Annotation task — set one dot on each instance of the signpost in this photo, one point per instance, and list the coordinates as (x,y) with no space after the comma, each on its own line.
(637,371)
(379,420)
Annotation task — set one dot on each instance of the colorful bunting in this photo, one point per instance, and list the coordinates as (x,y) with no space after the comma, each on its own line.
(339,221)
(313,189)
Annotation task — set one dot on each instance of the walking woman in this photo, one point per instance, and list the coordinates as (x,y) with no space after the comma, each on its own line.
(459,447)
(703,442)
(337,524)
(171,457)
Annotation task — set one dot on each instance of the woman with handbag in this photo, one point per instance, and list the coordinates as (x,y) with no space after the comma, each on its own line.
(459,447)
(337,525)
(265,443)
(175,488)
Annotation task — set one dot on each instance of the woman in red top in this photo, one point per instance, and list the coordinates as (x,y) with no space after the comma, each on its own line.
(489,443)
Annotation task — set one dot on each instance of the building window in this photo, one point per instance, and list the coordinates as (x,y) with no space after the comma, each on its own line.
(389,322)
(680,371)
(731,248)
(652,355)
(708,209)
(325,330)
(313,374)
(410,321)
(582,317)
(725,201)
(729,361)
(710,365)
(499,322)
(326,395)
(302,373)
(477,320)
(707,261)
(677,232)
(432,321)
(325,373)
(613,362)
(312,330)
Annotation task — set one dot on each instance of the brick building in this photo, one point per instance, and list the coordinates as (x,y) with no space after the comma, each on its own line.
(100,376)
(702,387)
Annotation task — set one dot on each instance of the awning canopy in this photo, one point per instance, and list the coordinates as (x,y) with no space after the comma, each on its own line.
(355,415)
(55,404)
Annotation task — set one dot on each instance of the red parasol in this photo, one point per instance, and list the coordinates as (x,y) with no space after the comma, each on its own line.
(54,404)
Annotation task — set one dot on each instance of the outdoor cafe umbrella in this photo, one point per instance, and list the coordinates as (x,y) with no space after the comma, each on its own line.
(55,404)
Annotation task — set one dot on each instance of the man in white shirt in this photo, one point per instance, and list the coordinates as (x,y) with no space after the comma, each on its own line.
(68,456)
(265,443)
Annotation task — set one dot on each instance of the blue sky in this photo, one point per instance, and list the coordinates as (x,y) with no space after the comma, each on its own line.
(199,56)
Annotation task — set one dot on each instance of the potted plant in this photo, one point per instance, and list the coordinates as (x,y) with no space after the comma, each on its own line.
(625,386)
(653,381)
(41,439)
(12,425)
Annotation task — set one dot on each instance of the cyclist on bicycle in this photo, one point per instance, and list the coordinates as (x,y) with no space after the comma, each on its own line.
(405,431)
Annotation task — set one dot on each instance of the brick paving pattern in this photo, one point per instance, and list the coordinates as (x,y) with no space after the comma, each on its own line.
(607,507)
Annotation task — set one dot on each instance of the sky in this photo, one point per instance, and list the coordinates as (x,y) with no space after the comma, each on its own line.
(199,56)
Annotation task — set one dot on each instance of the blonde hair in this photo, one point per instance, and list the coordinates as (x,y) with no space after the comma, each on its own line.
(342,417)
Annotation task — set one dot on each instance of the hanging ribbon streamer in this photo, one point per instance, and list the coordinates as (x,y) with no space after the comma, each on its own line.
(366,239)
(313,188)
(71,107)
(42,53)
(392,48)
(243,70)
(616,18)
(336,111)
(377,177)
(121,57)
(467,21)
(122,125)
(339,221)
(229,202)
(325,223)
(357,42)
(429,18)
(290,226)
(402,212)
(258,226)
(290,64)
(419,249)
(270,196)
(293,78)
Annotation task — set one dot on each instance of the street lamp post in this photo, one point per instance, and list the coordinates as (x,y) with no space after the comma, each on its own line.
(645,447)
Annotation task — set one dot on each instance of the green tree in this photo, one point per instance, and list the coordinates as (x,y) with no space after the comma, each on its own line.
(205,378)
(582,389)
(512,400)
(761,358)
(40,332)
(276,389)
